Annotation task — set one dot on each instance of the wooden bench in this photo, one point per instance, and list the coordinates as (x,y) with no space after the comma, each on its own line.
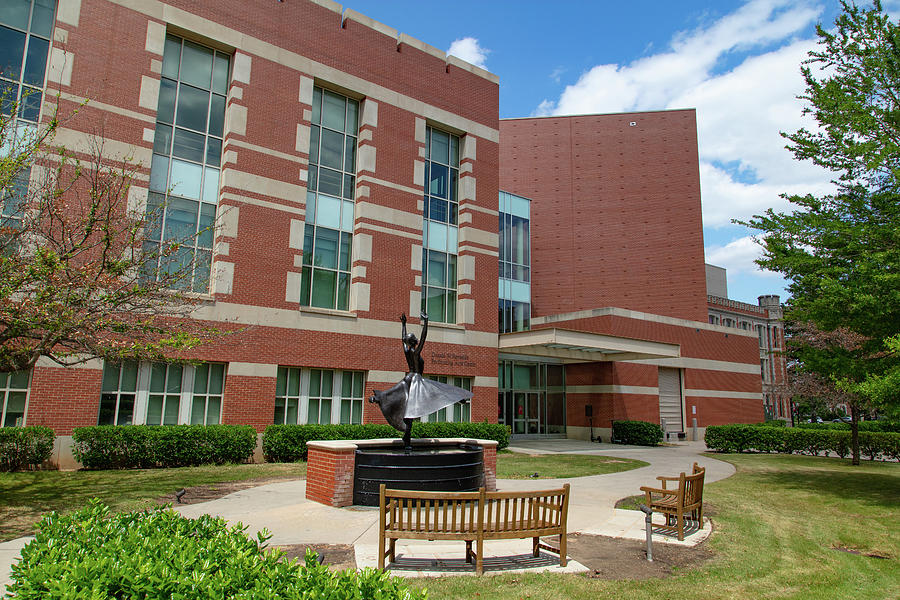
(472,517)
(676,503)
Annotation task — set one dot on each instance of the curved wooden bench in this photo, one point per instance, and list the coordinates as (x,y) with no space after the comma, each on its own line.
(472,517)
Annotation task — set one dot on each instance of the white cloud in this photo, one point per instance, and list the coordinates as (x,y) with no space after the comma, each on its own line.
(470,51)
(740,112)
(737,257)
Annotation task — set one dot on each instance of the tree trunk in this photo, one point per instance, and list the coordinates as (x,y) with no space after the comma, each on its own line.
(854,434)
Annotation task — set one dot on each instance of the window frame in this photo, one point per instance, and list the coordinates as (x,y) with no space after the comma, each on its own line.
(5,391)
(168,199)
(319,203)
(142,393)
(437,230)
(19,82)
(304,399)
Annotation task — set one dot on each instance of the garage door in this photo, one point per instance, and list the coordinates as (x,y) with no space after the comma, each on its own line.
(670,398)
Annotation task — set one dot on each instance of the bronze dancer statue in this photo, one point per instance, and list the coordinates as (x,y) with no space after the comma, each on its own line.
(415,396)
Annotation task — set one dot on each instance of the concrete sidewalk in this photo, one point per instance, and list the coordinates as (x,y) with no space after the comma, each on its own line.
(283,509)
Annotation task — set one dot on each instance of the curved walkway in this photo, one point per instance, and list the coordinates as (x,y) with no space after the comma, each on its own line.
(283,509)
(593,498)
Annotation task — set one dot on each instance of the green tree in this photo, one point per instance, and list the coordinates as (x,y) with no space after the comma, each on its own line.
(75,282)
(841,251)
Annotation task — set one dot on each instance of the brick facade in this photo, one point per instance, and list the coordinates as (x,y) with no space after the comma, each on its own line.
(616,220)
(617,249)
(110,52)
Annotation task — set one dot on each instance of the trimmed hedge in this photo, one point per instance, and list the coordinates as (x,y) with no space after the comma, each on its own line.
(746,438)
(25,447)
(147,447)
(879,426)
(771,423)
(637,433)
(159,554)
(287,443)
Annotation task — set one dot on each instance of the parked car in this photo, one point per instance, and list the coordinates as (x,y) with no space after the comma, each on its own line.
(841,420)
(817,420)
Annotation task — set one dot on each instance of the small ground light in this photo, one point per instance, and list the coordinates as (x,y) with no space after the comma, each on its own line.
(180,494)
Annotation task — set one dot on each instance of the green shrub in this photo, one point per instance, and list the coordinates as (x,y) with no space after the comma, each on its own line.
(875,426)
(159,554)
(637,433)
(287,443)
(812,441)
(22,447)
(771,423)
(145,447)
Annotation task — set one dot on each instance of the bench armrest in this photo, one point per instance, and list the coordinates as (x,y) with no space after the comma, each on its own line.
(661,491)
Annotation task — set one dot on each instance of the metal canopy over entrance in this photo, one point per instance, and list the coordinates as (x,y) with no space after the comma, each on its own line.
(579,346)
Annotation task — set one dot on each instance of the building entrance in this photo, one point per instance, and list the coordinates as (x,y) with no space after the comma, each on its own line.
(532,398)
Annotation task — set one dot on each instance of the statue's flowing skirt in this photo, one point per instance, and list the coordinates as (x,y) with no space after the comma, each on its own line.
(427,396)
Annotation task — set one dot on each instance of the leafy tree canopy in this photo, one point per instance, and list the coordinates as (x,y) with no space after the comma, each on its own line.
(75,279)
(841,251)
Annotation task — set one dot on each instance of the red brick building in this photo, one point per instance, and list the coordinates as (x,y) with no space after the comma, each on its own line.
(618,285)
(351,173)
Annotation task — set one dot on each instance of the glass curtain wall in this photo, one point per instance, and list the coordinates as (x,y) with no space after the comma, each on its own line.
(532,398)
(515,263)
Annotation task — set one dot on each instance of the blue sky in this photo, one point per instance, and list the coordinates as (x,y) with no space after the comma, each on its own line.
(736,62)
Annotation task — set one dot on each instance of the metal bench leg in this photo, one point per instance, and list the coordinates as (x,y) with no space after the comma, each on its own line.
(563,560)
(469,551)
(534,546)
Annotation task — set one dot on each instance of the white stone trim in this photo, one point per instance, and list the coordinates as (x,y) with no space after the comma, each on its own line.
(640,316)
(613,389)
(723,394)
(252,369)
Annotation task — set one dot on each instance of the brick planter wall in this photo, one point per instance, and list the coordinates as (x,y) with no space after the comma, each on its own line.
(330,465)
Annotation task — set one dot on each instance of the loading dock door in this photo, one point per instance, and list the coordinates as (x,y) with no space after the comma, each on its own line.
(670,401)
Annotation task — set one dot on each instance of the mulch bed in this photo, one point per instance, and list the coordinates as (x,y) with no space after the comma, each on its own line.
(615,558)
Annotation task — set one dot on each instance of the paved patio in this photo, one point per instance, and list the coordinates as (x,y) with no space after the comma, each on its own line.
(283,509)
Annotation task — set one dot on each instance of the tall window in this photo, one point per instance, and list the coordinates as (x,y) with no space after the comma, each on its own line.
(209,384)
(352,397)
(187,154)
(325,282)
(460,412)
(165,394)
(318,396)
(118,394)
(25,27)
(440,235)
(515,263)
(13,397)
(161,393)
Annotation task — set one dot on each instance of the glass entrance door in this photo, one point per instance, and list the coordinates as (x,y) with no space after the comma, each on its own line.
(531,399)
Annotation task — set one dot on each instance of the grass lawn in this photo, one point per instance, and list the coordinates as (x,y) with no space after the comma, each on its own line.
(785,527)
(517,465)
(26,496)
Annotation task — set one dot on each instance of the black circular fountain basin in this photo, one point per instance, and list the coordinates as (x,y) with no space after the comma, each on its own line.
(448,468)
